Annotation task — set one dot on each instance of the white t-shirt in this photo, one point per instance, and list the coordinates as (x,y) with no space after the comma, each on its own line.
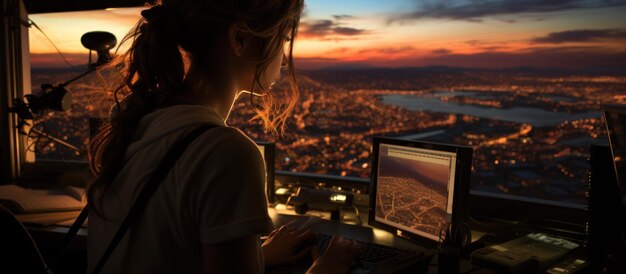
(213,194)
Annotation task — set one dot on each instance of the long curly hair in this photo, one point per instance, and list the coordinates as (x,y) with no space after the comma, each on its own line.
(171,37)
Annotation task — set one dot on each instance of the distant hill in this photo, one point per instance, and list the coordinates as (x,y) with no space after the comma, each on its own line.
(76,69)
(350,66)
(358,67)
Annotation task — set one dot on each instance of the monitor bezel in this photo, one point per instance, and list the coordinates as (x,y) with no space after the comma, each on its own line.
(461,183)
(269,153)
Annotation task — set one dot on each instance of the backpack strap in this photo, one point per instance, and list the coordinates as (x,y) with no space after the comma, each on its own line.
(149,189)
(69,236)
(143,198)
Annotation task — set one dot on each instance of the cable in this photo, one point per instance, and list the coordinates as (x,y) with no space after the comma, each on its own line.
(499,225)
(32,147)
(453,234)
(32,23)
(57,140)
(358,215)
(41,145)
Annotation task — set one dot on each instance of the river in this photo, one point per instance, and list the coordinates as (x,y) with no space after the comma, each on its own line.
(536,117)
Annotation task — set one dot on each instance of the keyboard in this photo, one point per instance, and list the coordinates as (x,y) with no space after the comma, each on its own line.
(379,258)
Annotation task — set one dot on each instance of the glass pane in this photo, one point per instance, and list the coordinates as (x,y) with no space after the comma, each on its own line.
(522,85)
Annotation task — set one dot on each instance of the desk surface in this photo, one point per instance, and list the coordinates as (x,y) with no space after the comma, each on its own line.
(348,227)
(317,221)
(320,222)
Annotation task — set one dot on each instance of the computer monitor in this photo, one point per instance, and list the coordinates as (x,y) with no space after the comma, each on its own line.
(268,151)
(418,187)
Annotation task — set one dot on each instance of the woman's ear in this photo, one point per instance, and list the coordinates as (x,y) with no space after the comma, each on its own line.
(236,39)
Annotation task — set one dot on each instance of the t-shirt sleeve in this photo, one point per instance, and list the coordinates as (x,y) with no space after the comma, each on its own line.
(231,202)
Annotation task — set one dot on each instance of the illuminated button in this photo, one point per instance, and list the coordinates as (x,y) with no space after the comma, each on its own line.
(338,198)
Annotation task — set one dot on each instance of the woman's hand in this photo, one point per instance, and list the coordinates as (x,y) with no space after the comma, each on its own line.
(338,257)
(287,245)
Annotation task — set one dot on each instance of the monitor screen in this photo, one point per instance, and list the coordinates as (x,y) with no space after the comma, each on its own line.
(529,119)
(415,187)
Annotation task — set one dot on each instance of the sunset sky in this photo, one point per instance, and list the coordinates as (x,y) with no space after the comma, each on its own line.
(575,34)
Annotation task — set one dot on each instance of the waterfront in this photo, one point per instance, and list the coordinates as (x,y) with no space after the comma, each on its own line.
(536,117)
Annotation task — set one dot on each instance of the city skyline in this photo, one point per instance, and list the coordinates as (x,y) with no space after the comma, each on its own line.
(570,34)
(542,156)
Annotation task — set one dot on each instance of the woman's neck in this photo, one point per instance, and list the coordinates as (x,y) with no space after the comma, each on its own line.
(220,99)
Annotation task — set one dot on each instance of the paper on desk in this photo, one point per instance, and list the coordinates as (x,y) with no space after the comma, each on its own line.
(48,218)
(77,192)
(21,200)
(69,223)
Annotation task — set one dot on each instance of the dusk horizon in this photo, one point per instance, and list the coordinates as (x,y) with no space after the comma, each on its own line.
(617,67)
(494,34)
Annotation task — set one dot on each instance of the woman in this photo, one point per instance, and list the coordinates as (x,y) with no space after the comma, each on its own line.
(188,63)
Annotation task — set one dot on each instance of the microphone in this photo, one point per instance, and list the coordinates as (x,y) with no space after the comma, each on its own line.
(57,97)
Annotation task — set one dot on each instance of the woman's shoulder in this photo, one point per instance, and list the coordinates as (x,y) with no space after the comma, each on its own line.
(229,143)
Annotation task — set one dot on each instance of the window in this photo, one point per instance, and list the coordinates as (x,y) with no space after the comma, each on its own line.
(522,85)
(66,134)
